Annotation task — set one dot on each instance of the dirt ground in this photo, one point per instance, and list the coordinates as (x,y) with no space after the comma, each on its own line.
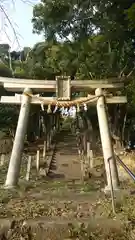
(61,206)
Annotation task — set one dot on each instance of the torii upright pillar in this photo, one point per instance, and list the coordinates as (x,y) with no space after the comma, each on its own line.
(15,160)
(106,142)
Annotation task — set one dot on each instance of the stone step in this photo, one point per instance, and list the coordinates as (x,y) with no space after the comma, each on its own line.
(94,222)
(49,158)
(59,228)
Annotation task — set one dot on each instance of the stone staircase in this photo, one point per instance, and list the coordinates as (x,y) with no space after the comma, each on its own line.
(65,162)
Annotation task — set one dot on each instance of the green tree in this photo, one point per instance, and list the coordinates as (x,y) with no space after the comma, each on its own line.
(97,38)
(79,20)
(61,18)
(5,71)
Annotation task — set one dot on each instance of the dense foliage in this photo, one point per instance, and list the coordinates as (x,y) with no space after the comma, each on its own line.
(84,39)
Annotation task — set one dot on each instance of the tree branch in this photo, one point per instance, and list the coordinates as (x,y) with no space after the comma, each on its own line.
(131,72)
(122,71)
(10,23)
(7,19)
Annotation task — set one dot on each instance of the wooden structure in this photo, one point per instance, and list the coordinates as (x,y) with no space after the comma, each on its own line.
(63,88)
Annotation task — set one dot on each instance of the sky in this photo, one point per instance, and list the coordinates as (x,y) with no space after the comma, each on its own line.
(20,15)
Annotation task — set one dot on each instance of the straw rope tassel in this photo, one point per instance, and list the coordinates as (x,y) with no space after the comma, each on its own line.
(49,109)
(78,108)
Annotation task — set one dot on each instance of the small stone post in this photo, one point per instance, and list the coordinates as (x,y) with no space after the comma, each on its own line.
(44,150)
(28,168)
(90,156)
(2,159)
(106,142)
(15,160)
(38,160)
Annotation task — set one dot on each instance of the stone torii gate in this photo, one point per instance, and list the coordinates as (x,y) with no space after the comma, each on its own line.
(63,88)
